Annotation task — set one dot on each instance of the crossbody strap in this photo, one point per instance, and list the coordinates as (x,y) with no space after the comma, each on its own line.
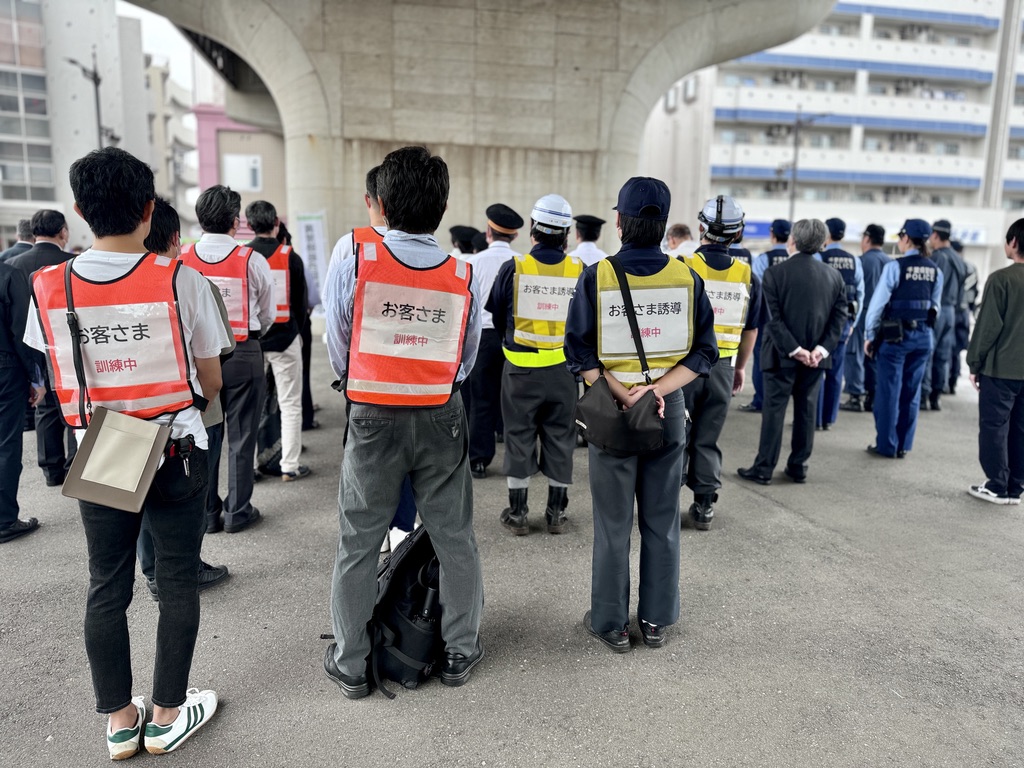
(84,401)
(634,328)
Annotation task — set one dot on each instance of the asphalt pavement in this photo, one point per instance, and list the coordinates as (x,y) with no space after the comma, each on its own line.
(872,617)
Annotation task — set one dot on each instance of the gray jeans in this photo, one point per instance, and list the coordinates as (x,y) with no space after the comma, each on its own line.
(431,446)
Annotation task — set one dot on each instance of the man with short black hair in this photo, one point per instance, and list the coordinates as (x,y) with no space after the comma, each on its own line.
(996,359)
(860,368)
(282,347)
(55,443)
(248,290)
(403,327)
(588,230)
(138,305)
(25,241)
(807,312)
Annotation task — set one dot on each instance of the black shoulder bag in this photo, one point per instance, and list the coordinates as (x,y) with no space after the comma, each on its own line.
(599,416)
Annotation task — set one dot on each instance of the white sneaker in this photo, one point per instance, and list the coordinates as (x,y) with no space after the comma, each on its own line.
(982,492)
(395,537)
(125,742)
(196,712)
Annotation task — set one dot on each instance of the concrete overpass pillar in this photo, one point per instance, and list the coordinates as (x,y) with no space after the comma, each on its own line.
(520,98)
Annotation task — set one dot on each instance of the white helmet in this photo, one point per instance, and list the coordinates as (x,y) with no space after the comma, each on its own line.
(552,214)
(721,219)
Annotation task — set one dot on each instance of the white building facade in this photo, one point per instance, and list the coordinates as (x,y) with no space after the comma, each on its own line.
(908,109)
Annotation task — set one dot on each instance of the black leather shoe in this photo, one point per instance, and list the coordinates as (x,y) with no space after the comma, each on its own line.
(653,634)
(616,639)
(52,482)
(854,404)
(796,474)
(702,511)
(250,520)
(754,475)
(18,528)
(478,469)
(750,408)
(933,401)
(513,517)
(554,513)
(210,575)
(869,403)
(901,454)
(873,450)
(457,667)
(215,521)
(351,687)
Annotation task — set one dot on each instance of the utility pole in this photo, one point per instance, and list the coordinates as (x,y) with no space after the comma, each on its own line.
(799,123)
(92,75)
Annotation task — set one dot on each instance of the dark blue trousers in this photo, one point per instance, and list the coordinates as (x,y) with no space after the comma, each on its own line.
(832,387)
(901,368)
(1001,434)
(13,398)
(758,376)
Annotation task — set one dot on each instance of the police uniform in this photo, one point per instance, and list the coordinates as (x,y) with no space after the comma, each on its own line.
(485,380)
(735,296)
(954,273)
(780,231)
(677,329)
(529,301)
(849,267)
(740,253)
(908,295)
(589,229)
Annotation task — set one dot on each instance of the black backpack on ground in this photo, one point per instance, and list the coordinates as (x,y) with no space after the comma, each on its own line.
(405,630)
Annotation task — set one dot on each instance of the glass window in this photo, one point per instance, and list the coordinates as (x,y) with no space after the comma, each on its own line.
(871,144)
(40,174)
(27,9)
(42,193)
(35,127)
(10,125)
(14,192)
(31,56)
(9,103)
(30,34)
(11,151)
(33,83)
(12,172)
(8,79)
(39,152)
(35,105)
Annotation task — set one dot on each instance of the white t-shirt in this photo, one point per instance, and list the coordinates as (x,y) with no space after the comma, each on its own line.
(485,268)
(588,252)
(213,248)
(201,323)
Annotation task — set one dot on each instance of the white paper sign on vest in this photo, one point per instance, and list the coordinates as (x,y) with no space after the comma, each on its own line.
(662,316)
(412,323)
(231,291)
(126,345)
(728,300)
(544,297)
(280,287)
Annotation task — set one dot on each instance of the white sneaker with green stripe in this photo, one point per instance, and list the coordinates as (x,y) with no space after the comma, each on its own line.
(125,742)
(196,712)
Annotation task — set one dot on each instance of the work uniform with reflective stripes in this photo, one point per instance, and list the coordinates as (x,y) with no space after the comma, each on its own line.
(132,343)
(278,262)
(735,296)
(677,328)
(231,276)
(529,300)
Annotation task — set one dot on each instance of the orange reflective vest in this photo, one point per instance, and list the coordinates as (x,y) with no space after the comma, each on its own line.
(363,235)
(133,346)
(231,276)
(408,329)
(278,262)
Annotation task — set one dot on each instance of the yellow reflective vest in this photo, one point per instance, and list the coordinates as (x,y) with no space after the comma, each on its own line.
(664,305)
(540,304)
(729,293)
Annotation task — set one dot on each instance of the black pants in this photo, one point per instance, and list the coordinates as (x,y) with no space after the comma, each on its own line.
(539,403)
(245,386)
(485,402)
(307,394)
(55,442)
(801,383)
(1001,434)
(13,397)
(174,508)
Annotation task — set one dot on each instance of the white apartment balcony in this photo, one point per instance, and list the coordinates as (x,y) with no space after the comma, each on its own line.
(767,159)
(180,136)
(1017,117)
(178,96)
(1013,170)
(189,176)
(824,48)
(868,106)
(990,8)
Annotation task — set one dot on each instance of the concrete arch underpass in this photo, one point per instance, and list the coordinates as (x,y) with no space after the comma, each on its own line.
(520,98)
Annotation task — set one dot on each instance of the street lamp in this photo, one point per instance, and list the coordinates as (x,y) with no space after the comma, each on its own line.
(799,123)
(93,75)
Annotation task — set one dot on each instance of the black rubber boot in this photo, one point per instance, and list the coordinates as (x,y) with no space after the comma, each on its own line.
(933,400)
(702,511)
(558,500)
(214,522)
(514,515)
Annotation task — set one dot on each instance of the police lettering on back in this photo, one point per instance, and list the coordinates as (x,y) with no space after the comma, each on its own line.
(920,273)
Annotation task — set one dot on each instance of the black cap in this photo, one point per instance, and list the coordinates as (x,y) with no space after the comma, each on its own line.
(503,219)
(479,242)
(836,228)
(942,227)
(644,198)
(781,229)
(956,245)
(589,221)
(875,233)
(463,234)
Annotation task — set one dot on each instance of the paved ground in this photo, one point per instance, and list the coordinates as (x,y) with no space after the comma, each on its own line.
(871,617)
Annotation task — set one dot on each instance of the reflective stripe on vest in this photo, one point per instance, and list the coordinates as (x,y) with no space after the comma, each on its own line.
(664,307)
(278,262)
(408,329)
(729,293)
(133,346)
(540,304)
(231,276)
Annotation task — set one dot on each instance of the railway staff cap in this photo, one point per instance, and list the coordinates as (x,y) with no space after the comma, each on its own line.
(503,219)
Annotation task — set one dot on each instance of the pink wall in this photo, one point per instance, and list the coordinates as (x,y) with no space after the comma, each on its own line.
(211,119)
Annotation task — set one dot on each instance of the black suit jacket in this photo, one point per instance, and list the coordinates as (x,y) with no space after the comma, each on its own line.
(38,256)
(19,247)
(806,300)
